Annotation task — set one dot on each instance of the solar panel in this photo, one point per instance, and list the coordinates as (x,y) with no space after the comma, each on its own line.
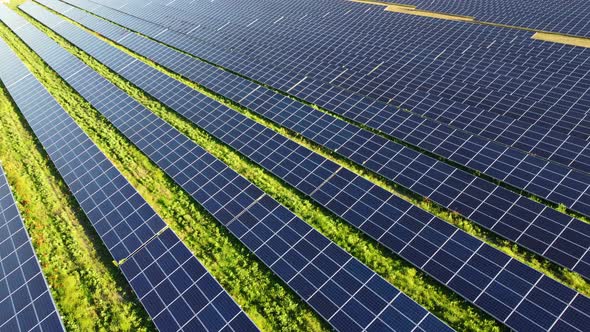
(164,274)
(340,288)
(309,171)
(551,234)
(25,300)
(178,292)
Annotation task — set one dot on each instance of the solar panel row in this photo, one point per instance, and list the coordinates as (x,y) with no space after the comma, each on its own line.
(306,169)
(570,17)
(25,300)
(170,282)
(560,238)
(383,79)
(530,173)
(426,67)
(340,288)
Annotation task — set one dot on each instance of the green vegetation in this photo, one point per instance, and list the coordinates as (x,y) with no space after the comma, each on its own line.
(411,281)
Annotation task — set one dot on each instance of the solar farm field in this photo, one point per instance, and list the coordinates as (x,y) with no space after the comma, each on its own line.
(269,165)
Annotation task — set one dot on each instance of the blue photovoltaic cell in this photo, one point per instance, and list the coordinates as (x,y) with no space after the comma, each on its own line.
(163,256)
(25,300)
(560,238)
(275,152)
(308,262)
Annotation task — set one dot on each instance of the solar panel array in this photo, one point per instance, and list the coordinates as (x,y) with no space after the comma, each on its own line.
(120,216)
(551,234)
(551,181)
(309,172)
(569,17)
(533,79)
(341,289)
(554,145)
(25,300)
(473,117)
(170,282)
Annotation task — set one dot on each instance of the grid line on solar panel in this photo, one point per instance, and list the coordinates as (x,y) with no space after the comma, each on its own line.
(542,233)
(548,182)
(225,310)
(164,90)
(25,299)
(212,186)
(267,50)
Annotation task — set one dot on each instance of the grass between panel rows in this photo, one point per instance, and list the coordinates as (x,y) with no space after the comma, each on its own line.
(565,276)
(264,297)
(411,281)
